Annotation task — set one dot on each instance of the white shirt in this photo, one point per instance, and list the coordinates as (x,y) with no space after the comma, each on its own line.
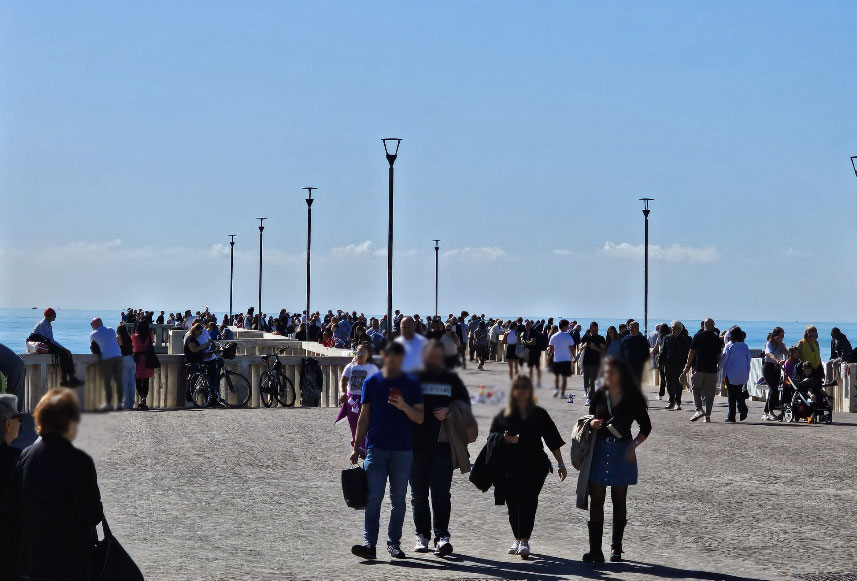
(105,338)
(188,323)
(562,343)
(357,374)
(494,334)
(204,338)
(413,352)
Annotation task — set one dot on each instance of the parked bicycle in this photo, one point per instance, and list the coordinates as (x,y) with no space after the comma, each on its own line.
(274,383)
(232,390)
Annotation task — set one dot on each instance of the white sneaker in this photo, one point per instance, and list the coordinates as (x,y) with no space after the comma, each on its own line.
(422,545)
(443,547)
(524,549)
(556,392)
(513,550)
(105,407)
(660,398)
(696,416)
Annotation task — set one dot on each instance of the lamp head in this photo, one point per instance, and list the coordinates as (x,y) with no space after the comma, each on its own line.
(854,163)
(388,148)
(436,245)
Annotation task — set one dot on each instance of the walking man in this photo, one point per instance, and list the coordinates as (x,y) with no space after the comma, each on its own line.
(413,343)
(674,357)
(705,350)
(530,339)
(593,346)
(392,402)
(494,338)
(432,465)
(102,342)
(561,348)
(635,350)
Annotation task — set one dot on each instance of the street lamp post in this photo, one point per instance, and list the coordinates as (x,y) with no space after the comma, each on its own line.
(309,202)
(259,314)
(646,265)
(391,159)
(436,250)
(231,272)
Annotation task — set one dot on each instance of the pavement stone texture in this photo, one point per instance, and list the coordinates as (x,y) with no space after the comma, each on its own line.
(255,494)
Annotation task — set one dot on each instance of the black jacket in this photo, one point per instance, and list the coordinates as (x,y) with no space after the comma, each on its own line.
(488,468)
(9,523)
(59,504)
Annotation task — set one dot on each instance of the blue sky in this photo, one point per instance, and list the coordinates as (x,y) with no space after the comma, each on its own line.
(134,137)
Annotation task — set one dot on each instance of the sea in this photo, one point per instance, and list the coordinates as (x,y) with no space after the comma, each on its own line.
(72,329)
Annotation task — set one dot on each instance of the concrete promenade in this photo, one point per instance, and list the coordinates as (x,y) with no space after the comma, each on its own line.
(255,494)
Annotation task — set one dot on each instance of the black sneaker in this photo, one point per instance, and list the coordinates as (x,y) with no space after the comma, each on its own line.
(395,551)
(142,405)
(443,547)
(730,420)
(743,415)
(363,551)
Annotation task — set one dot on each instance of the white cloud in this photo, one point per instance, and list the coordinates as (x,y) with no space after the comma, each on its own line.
(796,253)
(477,253)
(366,249)
(562,252)
(672,253)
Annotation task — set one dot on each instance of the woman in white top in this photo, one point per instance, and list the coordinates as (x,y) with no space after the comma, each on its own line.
(351,386)
(511,346)
(776,354)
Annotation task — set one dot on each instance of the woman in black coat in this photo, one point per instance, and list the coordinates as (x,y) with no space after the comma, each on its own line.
(523,426)
(10,423)
(59,501)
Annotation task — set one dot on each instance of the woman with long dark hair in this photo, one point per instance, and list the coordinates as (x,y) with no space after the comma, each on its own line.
(129,368)
(143,341)
(614,342)
(776,354)
(523,426)
(511,346)
(616,405)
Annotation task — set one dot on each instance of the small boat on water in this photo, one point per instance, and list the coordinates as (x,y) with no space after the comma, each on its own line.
(34,309)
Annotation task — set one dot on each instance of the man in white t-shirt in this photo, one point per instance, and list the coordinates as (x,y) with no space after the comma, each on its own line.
(561,348)
(413,343)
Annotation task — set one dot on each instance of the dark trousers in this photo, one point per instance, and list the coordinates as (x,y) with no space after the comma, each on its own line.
(143,387)
(736,399)
(493,352)
(663,377)
(672,377)
(522,503)
(590,374)
(431,472)
(472,347)
(771,373)
(66,361)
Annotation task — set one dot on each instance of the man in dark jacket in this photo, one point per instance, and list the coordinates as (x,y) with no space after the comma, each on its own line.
(59,501)
(432,468)
(635,350)
(673,357)
(840,346)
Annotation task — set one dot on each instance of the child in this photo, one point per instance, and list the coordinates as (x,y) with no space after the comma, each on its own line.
(792,361)
(351,384)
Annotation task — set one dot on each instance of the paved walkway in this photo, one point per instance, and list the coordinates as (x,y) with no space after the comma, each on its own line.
(255,494)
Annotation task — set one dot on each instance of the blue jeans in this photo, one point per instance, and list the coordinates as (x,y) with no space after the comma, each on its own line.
(379,465)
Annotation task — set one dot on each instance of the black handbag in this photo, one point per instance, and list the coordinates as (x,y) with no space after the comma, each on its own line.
(108,561)
(152,361)
(355,488)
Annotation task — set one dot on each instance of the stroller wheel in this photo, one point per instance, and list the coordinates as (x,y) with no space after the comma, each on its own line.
(788,414)
(829,417)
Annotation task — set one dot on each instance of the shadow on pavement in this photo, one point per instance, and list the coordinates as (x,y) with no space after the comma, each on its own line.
(549,568)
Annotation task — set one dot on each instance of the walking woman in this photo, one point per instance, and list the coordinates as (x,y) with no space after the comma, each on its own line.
(511,347)
(809,351)
(614,342)
(735,370)
(618,404)
(523,426)
(142,341)
(129,368)
(775,357)
(60,503)
(351,389)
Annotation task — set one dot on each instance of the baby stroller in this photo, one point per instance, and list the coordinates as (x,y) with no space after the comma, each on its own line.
(806,400)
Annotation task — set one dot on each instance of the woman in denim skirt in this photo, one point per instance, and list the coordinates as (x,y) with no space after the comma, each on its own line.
(616,405)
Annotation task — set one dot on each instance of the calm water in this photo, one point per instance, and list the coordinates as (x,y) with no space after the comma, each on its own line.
(72,328)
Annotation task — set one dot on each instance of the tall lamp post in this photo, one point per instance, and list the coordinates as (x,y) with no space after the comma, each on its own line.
(231,272)
(436,251)
(309,202)
(646,265)
(259,314)
(391,159)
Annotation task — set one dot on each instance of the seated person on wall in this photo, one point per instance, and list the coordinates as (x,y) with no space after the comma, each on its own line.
(44,333)
(840,347)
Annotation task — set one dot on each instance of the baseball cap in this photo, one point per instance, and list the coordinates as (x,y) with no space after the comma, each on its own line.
(49,312)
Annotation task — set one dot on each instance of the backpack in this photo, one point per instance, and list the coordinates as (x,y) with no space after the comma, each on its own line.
(312,382)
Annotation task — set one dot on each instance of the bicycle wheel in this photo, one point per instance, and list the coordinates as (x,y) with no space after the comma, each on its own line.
(234,389)
(267,388)
(199,391)
(286,392)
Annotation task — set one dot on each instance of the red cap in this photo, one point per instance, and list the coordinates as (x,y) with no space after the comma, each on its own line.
(49,312)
